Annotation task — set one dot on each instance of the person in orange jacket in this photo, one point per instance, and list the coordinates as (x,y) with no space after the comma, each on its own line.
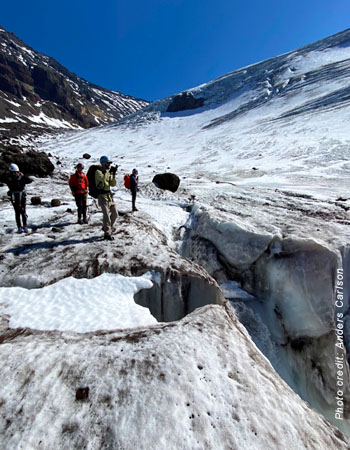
(79,186)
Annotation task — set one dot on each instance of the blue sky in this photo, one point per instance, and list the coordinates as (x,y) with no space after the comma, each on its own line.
(154,48)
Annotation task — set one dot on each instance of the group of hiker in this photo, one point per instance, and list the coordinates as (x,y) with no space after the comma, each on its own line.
(97,182)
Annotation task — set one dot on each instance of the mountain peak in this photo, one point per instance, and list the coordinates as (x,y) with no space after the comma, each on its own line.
(38,94)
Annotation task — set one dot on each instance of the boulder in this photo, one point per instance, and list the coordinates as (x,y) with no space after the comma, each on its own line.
(167,181)
(55,202)
(35,200)
(86,156)
(184,101)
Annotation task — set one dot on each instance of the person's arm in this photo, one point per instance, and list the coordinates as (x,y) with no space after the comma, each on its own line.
(27,180)
(133,182)
(112,180)
(86,184)
(71,183)
(100,180)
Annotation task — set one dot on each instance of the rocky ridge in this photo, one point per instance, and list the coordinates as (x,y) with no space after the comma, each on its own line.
(38,94)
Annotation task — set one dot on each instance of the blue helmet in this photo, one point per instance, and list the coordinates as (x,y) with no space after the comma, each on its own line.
(105,159)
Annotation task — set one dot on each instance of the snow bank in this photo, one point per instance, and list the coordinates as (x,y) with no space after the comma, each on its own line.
(80,305)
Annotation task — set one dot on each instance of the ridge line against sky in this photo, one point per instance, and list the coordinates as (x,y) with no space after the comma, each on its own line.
(157,48)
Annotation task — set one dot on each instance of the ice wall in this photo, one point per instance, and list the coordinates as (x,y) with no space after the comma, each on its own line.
(176,294)
(294,317)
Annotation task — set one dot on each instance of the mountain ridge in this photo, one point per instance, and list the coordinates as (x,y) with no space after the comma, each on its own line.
(38,94)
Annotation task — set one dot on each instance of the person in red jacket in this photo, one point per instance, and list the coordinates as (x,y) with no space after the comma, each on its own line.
(79,186)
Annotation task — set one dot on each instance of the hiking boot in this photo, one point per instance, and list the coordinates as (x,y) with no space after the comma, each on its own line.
(79,222)
(20,230)
(85,220)
(25,229)
(135,209)
(108,237)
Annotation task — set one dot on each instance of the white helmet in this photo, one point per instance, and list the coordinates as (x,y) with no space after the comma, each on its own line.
(13,168)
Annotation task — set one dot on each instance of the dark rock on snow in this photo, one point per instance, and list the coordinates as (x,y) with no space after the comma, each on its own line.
(167,181)
(55,202)
(35,200)
(82,393)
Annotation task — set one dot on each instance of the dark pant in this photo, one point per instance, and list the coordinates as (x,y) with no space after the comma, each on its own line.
(18,200)
(133,199)
(80,200)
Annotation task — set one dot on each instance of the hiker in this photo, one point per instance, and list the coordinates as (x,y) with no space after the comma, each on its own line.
(18,196)
(79,186)
(104,180)
(134,182)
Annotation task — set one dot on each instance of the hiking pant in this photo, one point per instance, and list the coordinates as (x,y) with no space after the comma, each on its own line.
(18,200)
(80,200)
(110,213)
(133,198)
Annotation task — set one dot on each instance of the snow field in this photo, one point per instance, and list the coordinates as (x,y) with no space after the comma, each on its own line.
(81,305)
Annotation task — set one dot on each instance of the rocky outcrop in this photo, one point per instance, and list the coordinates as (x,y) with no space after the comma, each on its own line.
(30,163)
(38,94)
(184,101)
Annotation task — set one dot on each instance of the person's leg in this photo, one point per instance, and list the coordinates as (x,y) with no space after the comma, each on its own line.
(133,200)
(84,207)
(104,205)
(17,207)
(23,210)
(114,212)
(78,201)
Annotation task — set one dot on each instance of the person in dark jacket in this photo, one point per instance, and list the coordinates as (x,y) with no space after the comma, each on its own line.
(134,187)
(79,186)
(16,184)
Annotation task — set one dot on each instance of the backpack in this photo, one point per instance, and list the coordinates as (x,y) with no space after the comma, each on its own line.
(93,191)
(127,181)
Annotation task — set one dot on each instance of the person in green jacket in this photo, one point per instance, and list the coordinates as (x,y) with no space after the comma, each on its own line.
(104,180)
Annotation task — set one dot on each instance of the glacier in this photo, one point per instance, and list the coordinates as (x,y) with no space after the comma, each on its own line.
(261,218)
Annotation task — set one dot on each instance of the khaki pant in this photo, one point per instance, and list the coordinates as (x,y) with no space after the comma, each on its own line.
(110,214)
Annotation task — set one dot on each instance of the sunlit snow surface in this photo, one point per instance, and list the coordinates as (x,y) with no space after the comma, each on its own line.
(81,305)
(261,146)
(262,166)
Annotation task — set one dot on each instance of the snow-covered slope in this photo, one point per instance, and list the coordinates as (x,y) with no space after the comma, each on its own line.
(262,211)
(286,117)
